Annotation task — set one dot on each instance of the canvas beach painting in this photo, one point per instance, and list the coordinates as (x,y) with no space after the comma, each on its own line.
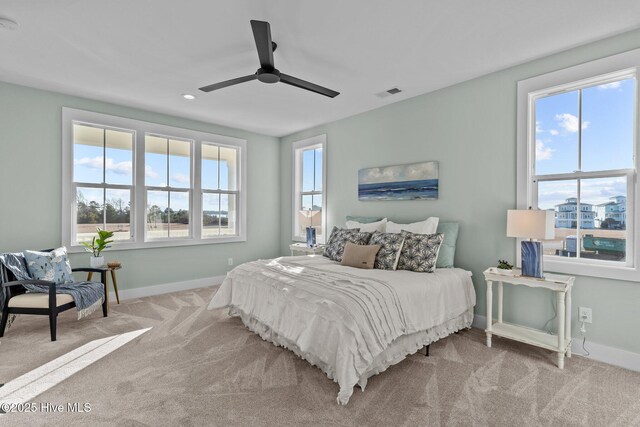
(416,181)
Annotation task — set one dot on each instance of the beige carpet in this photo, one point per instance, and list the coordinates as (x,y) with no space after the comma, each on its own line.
(197,367)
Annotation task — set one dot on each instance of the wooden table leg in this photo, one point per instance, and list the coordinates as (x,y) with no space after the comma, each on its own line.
(561,326)
(115,284)
(489,312)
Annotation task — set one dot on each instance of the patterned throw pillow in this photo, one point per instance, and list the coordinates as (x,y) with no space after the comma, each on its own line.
(390,248)
(339,238)
(420,252)
(52,266)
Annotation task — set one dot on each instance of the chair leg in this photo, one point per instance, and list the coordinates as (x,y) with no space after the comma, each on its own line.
(5,319)
(53,320)
(105,304)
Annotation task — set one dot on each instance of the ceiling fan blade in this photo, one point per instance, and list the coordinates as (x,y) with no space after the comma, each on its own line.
(302,84)
(226,83)
(262,35)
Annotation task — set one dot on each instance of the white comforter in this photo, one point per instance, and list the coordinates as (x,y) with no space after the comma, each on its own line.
(340,318)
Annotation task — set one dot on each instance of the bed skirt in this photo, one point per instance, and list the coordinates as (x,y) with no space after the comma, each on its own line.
(392,355)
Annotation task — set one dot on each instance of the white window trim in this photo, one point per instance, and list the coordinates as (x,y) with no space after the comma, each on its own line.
(138,197)
(613,67)
(296,161)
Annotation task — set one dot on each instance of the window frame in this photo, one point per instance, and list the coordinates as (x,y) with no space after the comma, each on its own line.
(138,192)
(105,186)
(169,189)
(220,192)
(318,141)
(601,71)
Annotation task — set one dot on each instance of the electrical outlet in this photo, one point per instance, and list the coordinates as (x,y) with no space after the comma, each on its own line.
(230,261)
(586,315)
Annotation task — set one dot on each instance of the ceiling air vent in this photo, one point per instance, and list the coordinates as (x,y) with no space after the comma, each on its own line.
(389,92)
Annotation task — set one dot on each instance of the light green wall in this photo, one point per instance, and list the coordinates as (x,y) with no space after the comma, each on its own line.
(470,128)
(30,188)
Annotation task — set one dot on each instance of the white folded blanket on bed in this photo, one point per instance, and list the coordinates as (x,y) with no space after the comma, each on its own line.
(338,318)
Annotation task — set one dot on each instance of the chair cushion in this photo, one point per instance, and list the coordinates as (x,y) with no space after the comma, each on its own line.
(38,300)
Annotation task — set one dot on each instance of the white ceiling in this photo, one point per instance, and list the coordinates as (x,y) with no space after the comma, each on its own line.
(147,53)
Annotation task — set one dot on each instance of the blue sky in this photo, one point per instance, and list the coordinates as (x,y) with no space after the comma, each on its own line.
(311,177)
(607,140)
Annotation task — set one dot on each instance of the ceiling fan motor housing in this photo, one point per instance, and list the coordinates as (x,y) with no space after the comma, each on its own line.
(266,76)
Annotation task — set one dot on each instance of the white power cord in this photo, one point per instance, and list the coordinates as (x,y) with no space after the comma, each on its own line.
(583,331)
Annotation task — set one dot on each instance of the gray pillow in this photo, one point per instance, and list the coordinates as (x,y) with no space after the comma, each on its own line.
(448,248)
(390,248)
(364,219)
(339,238)
(419,252)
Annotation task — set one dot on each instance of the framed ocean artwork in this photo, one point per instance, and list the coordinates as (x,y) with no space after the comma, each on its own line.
(416,181)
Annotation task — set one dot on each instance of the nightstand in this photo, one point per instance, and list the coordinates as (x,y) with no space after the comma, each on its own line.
(302,248)
(561,285)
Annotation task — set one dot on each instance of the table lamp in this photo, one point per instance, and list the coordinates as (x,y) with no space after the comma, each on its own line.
(308,215)
(533,225)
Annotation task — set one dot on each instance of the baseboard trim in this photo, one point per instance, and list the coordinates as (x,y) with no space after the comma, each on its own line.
(165,288)
(602,353)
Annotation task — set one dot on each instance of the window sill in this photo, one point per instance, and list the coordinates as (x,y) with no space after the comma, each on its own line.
(578,268)
(162,244)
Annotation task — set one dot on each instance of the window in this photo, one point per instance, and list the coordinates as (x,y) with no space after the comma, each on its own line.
(168,187)
(153,185)
(219,190)
(309,204)
(577,144)
(102,181)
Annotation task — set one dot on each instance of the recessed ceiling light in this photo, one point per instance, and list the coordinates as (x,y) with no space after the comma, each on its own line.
(188,96)
(8,24)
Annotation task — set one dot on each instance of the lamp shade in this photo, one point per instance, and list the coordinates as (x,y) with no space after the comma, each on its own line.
(531,224)
(309,217)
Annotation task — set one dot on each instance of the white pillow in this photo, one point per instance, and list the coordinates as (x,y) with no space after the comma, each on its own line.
(370,227)
(428,226)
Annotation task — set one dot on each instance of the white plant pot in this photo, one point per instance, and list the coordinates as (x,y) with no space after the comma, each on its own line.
(504,271)
(96,261)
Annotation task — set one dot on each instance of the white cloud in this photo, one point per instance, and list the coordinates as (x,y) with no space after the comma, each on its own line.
(612,85)
(181,178)
(120,168)
(543,152)
(569,122)
(538,127)
(425,170)
(554,132)
(150,173)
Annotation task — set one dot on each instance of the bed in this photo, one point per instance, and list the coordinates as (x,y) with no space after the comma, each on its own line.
(350,323)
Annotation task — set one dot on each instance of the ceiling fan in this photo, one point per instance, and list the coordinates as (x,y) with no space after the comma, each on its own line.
(268,73)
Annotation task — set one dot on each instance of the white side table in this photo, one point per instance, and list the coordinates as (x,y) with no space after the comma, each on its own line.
(561,285)
(302,248)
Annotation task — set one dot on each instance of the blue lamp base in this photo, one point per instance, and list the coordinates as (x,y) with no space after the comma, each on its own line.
(532,259)
(311,237)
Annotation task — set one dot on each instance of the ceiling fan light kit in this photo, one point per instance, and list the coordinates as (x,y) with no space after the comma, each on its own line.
(268,73)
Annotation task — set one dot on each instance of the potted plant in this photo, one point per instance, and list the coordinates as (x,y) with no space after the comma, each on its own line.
(97,245)
(504,267)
